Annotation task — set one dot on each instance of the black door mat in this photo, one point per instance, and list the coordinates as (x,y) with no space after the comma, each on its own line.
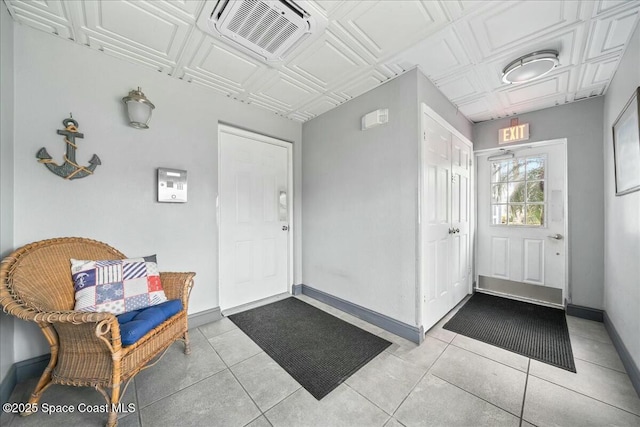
(531,330)
(317,349)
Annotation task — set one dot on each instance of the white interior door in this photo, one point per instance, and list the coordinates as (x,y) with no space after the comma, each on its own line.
(460,218)
(521,216)
(253,192)
(445,222)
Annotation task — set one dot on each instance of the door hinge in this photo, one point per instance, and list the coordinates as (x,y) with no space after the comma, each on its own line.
(470,162)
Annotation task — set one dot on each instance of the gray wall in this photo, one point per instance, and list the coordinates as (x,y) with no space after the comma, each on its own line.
(6,173)
(581,124)
(117,204)
(360,192)
(622,216)
(431,95)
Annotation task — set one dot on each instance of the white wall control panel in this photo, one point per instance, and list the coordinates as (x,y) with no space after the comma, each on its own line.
(172,185)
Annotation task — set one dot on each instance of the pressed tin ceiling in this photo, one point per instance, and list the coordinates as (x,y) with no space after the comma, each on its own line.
(462,46)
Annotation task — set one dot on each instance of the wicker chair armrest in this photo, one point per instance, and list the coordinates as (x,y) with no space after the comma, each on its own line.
(105,326)
(178,286)
(71,316)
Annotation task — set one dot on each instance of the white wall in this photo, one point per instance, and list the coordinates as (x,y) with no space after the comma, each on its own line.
(6,173)
(117,204)
(581,124)
(622,215)
(360,193)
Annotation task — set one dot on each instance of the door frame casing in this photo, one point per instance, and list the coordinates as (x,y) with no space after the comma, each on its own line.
(230,129)
(566,289)
(420,275)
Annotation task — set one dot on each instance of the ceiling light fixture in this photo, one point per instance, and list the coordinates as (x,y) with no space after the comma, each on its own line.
(530,67)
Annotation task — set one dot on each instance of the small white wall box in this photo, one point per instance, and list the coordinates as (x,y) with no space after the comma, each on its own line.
(172,185)
(375,118)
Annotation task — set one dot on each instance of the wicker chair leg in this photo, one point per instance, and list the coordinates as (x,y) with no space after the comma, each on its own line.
(112,420)
(45,378)
(37,394)
(43,383)
(187,344)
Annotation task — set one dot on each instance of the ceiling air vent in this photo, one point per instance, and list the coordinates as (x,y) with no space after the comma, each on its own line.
(270,30)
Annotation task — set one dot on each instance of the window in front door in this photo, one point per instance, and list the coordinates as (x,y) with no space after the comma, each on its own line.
(517,192)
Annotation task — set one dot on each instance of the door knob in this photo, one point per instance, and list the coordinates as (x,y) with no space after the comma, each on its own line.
(555,236)
(285,228)
(451,231)
(457,230)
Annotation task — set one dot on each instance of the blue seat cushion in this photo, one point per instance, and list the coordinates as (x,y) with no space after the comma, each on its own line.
(135,324)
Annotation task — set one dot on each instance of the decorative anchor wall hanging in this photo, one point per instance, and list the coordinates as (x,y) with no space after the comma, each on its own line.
(69,169)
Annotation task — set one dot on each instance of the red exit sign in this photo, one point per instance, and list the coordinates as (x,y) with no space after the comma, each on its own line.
(513,134)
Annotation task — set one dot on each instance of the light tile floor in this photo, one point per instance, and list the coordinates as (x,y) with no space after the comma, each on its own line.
(450,380)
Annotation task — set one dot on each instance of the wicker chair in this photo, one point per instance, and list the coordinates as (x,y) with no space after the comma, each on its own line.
(86,349)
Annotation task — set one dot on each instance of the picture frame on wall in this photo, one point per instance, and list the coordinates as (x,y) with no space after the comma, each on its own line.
(626,147)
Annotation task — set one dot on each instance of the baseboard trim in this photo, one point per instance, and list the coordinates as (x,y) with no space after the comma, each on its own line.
(412,333)
(296,289)
(20,371)
(585,312)
(625,356)
(203,317)
(31,368)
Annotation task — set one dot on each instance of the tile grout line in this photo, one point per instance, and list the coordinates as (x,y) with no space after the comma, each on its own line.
(402,360)
(282,400)
(138,409)
(590,338)
(256,418)
(368,400)
(602,366)
(440,339)
(421,378)
(585,395)
(476,396)
(190,385)
(524,396)
(218,335)
(493,360)
(262,413)
(578,334)
(240,361)
(245,390)
(182,389)
(410,391)
(237,380)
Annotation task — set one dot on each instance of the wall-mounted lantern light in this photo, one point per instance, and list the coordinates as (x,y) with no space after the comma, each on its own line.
(139,109)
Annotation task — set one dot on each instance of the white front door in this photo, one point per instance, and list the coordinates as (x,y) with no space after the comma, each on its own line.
(253,220)
(521,216)
(445,219)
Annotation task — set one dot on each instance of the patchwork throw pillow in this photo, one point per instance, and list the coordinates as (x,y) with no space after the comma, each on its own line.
(117,286)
